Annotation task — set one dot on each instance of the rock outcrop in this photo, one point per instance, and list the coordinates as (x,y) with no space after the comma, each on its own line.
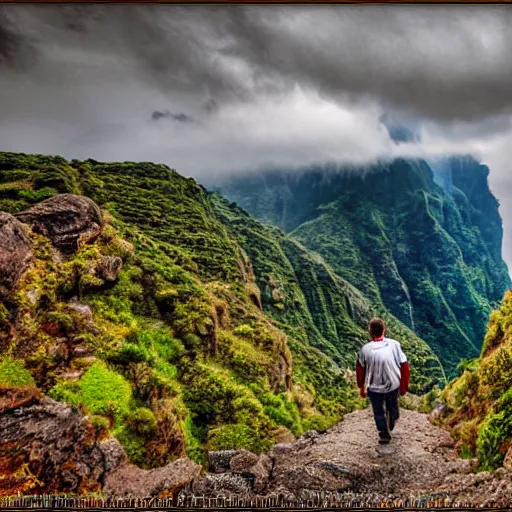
(131,481)
(48,446)
(68,220)
(15,252)
(109,267)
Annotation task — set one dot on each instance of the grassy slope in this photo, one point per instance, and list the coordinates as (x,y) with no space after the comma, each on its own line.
(311,302)
(480,400)
(183,356)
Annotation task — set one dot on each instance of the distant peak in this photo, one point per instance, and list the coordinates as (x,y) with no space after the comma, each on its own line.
(399,130)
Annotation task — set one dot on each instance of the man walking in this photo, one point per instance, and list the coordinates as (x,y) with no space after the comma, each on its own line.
(382,373)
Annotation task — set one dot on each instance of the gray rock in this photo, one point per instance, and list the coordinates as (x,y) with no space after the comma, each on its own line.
(261,472)
(332,467)
(68,220)
(219,461)
(131,481)
(113,453)
(15,252)
(59,443)
(281,448)
(82,309)
(438,412)
(310,434)
(225,484)
(109,267)
(243,461)
(81,351)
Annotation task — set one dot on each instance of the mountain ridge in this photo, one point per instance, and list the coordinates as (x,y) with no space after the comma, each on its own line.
(424,244)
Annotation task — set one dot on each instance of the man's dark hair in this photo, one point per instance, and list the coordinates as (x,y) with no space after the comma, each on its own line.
(376,327)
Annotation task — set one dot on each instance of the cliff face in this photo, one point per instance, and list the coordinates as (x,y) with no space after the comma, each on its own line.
(422,241)
(175,321)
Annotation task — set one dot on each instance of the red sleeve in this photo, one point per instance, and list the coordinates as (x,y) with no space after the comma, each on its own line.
(405,373)
(360,373)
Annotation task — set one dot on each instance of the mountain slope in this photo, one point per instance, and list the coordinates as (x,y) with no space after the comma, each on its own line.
(423,244)
(165,325)
(311,302)
(479,402)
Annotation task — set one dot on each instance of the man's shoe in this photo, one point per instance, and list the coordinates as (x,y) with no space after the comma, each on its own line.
(384,440)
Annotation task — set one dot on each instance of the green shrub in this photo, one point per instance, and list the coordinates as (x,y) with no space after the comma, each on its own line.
(13,373)
(142,421)
(128,353)
(494,433)
(193,446)
(100,390)
(237,436)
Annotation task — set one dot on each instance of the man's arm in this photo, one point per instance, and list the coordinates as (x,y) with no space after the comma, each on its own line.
(361,375)
(405,372)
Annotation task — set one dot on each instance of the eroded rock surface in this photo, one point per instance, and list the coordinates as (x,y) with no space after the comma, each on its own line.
(15,252)
(131,481)
(69,220)
(421,460)
(46,446)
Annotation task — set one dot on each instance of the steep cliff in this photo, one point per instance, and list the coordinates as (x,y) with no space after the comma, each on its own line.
(478,404)
(423,241)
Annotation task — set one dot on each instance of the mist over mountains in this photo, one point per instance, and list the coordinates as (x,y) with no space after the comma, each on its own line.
(268,86)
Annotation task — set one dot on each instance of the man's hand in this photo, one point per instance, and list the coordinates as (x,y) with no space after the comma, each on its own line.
(362,392)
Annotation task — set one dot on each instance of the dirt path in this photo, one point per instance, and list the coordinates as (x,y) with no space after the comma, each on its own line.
(420,460)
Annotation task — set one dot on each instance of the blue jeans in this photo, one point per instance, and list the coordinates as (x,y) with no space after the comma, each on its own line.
(385,410)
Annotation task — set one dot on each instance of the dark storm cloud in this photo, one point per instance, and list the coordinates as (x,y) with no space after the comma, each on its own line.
(441,62)
(285,86)
(181,117)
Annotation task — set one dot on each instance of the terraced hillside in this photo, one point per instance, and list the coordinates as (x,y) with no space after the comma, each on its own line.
(175,321)
(421,240)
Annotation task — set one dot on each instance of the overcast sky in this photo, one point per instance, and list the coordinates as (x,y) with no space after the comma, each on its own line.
(209,90)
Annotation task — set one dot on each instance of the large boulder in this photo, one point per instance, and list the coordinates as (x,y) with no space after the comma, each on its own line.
(46,446)
(49,447)
(15,252)
(167,481)
(68,220)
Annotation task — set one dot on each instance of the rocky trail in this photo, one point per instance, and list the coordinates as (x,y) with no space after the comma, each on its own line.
(56,451)
(420,460)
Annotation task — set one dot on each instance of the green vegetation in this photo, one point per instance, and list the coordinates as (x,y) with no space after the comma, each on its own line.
(100,389)
(218,332)
(13,373)
(318,310)
(480,400)
(428,254)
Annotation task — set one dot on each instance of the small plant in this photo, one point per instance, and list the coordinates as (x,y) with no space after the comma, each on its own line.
(142,421)
(13,373)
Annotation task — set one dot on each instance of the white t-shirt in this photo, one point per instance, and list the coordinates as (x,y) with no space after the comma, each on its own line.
(381,361)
